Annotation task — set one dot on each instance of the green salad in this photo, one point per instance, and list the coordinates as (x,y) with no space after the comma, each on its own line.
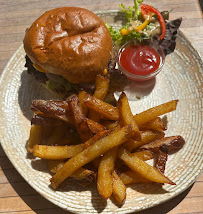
(145,22)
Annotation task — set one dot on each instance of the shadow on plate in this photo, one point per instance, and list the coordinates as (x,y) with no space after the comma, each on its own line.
(135,90)
(29,90)
(149,188)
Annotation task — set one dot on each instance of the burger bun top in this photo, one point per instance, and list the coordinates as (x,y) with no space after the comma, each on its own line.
(69,41)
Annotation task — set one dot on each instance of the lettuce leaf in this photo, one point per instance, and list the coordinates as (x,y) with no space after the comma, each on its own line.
(62,87)
(168,44)
(119,39)
(132,13)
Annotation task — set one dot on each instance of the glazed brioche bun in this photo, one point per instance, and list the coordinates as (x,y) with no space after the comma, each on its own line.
(69,41)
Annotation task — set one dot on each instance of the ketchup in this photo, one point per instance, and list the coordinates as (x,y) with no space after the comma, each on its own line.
(140,59)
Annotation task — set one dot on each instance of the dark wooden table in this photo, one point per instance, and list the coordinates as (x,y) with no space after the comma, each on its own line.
(16,196)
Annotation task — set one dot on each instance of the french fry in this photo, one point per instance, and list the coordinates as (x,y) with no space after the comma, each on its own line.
(82,176)
(81,96)
(56,135)
(131,177)
(52,109)
(156,124)
(79,118)
(82,173)
(101,146)
(126,116)
(173,143)
(109,124)
(94,126)
(119,188)
(104,178)
(35,137)
(49,107)
(141,167)
(101,89)
(64,118)
(47,131)
(153,113)
(57,152)
(71,138)
(45,121)
(144,155)
(86,178)
(146,137)
(161,159)
(96,137)
(106,110)
(55,165)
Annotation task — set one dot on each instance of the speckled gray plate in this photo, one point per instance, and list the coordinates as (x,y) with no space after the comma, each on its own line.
(181,78)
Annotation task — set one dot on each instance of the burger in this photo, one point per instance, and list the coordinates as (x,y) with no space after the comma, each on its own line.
(67,48)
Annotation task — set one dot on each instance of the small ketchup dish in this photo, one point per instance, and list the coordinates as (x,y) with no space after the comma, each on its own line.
(140,61)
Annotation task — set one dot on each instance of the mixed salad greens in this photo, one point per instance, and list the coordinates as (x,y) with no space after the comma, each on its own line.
(145,22)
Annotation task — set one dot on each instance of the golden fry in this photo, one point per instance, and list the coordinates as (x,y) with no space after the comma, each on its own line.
(146,137)
(81,96)
(156,124)
(96,137)
(119,189)
(57,152)
(104,178)
(47,131)
(131,177)
(35,137)
(126,116)
(109,124)
(144,155)
(94,126)
(154,112)
(55,165)
(82,173)
(56,135)
(86,178)
(106,110)
(101,146)
(70,138)
(142,167)
(101,89)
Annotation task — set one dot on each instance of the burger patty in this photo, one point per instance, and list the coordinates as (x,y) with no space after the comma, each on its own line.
(39,76)
(52,82)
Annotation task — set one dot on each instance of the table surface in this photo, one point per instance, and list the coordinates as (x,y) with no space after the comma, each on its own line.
(16,196)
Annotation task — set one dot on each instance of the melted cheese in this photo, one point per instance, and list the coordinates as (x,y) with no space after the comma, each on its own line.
(37,67)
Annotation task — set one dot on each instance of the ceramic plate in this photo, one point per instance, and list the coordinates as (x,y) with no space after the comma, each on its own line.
(181,78)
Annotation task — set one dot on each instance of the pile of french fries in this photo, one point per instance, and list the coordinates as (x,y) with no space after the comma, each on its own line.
(85,139)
